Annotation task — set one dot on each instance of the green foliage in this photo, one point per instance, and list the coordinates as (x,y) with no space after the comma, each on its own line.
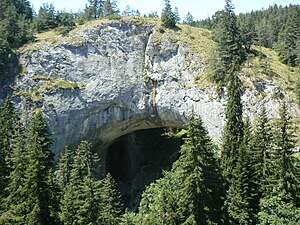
(227,35)
(238,197)
(46,18)
(111,207)
(233,129)
(284,171)
(81,195)
(110,8)
(94,10)
(297,90)
(7,121)
(13,210)
(32,198)
(39,187)
(260,162)
(276,209)
(168,17)
(191,192)
(65,22)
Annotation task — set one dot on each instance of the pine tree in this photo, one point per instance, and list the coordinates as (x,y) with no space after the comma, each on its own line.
(233,129)
(192,191)
(260,159)
(200,176)
(111,207)
(167,17)
(95,9)
(39,187)
(239,196)
(14,211)
(229,41)
(81,197)
(63,172)
(7,121)
(176,14)
(46,18)
(110,8)
(159,203)
(284,170)
(280,202)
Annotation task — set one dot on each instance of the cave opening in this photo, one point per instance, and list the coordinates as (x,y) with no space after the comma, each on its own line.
(137,159)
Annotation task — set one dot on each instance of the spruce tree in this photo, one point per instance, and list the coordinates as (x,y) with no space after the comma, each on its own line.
(229,41)
(260,160)
(111,207)
(7,121)
(64,168)
(192,192)
(81,197)
(284,170)
(200,176)
(233,129)
(168,18)
(39,188)
(110,8)
(13,210)
(239,196)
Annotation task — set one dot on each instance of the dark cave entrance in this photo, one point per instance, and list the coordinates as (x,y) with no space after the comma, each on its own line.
(137,159)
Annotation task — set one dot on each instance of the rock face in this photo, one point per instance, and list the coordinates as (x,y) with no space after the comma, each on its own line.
(114,78)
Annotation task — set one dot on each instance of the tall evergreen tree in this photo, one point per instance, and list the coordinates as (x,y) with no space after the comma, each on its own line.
(200,176)
(239,196)
(283,163)
(233,129)
(111,207)
(64,168)
(7,121)
(110,8)
(95,9)
(39,187)
(260,160)
(168,18)
(229,41)
(13,210)
(191,193)
(81,197)
(46,18)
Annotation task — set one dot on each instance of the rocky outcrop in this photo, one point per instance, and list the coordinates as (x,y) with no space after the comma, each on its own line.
(113,78)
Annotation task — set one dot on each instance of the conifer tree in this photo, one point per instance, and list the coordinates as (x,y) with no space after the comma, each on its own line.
(279,204)
(200,201)
(190,193)
(159,203)
(229,41)
(63,172)
(233,129)
(239,196)
(284,170)
(111,207)
(13,211)
(110,8)
(7,121)
(81,197)
(39,187)
(167,17)
(260,152)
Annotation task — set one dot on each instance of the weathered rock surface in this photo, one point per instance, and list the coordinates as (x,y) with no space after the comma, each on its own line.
(127,77)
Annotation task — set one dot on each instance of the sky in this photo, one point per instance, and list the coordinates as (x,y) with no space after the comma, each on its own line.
(200,9)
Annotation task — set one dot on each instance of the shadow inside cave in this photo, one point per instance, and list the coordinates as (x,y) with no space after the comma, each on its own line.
(137,159)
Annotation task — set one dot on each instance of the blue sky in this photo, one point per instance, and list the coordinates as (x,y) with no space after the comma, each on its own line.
(200,9)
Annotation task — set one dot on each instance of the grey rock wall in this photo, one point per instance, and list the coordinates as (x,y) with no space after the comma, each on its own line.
(127,81)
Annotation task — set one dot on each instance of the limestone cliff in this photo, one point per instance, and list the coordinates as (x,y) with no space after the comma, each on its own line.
(109,78)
